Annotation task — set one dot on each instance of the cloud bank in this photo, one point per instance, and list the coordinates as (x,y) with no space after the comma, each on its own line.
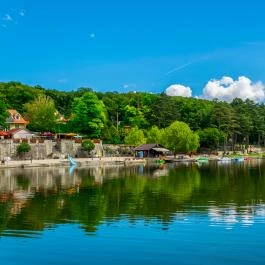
(227,89)
(179,90)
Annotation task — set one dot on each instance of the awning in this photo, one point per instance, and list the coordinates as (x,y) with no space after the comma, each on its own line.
(71,134)
(160,149)
(2,133)
(78,136)
(48,134)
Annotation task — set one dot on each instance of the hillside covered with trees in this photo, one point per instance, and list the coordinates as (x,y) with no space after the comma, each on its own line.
(149,116)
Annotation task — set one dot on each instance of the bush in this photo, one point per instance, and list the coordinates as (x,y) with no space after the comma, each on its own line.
(87,145)
(23,148)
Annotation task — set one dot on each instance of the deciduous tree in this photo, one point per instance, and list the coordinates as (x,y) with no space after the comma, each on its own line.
(154,135)
(211,138)
(89,115)
(41,114)
(3,113)
(135,137)
(178,137)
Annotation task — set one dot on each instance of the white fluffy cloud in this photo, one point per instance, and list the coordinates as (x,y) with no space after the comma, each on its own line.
(179,90)
(227,89)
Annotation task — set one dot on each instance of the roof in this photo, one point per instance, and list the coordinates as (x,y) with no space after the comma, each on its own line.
(3,133)
(15,117)
(160,149)
(145,147)
(71,134)
(47,134)
(14,131)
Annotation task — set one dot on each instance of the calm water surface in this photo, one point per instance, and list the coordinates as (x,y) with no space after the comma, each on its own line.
(178,214)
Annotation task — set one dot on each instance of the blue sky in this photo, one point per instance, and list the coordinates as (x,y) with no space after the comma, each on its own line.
(131,45)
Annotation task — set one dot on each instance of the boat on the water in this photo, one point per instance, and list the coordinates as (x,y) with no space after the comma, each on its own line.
(224,159)
(247,158)
(134,161)
(238,159)
(202,159)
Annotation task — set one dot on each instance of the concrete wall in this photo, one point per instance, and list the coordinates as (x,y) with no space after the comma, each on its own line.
(70,147)
(75,149)
(39,149)
(47,148)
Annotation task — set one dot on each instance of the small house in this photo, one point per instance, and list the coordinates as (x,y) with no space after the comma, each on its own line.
(150,150)
(15,120)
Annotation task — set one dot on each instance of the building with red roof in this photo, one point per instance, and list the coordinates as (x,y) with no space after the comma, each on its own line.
(20,134)
(15,120)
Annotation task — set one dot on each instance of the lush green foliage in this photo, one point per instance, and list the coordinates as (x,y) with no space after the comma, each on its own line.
(41,113)
(211,138)
(111,135)
(88,115)
(154,135)
(17,94)
(23,148)
(135,137)
(178,137)
(104,115)
(3,114)
(88,145)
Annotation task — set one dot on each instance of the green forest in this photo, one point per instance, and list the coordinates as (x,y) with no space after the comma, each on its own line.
(137,117)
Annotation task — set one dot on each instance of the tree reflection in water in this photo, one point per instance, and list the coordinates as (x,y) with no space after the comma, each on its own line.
(34,199)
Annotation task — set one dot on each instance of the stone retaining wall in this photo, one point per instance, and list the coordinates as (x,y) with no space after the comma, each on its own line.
(41,149)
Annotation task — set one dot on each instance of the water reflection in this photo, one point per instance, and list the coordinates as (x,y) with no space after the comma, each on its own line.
(32,200)
(232,215)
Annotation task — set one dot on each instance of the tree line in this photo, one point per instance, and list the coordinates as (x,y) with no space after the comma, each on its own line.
(118,117)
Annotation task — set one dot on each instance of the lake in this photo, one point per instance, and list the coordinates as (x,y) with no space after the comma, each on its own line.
(209,213)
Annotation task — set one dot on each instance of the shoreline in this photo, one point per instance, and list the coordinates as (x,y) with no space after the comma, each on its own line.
(98,161)
(66,163)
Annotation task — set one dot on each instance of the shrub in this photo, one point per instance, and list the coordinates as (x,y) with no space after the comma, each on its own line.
(87,145)
(23,148)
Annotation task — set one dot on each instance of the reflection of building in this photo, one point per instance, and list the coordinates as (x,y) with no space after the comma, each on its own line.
(15,120)
(11,180)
